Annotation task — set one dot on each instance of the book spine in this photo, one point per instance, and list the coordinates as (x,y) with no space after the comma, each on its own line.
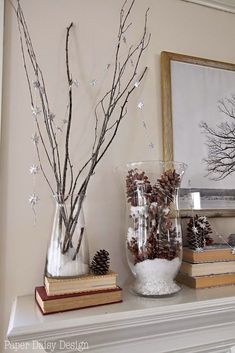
(85,307)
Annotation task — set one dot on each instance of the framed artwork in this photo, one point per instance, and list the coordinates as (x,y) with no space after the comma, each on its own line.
(198,110)
(223,5)
(1,52)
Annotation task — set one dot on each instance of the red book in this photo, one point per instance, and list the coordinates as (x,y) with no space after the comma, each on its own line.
(66,302)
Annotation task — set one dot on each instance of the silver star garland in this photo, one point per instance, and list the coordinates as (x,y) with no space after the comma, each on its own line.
(33,200)
(34,169)
(42,90)
(36,84)
(231,247)
(76,83)
(35,138)
(35,111)
(93,83)
(140,105)
(51,116)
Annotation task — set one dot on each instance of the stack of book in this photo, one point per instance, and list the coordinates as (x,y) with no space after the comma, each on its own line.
(214,266)
(59,295)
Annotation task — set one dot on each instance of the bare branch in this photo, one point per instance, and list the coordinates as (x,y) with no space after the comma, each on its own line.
(66,159)
(109,111)
(221,143)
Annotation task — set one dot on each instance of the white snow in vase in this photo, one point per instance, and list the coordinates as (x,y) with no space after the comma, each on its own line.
(131,234)
(137,211)
(62,264)
(156,277)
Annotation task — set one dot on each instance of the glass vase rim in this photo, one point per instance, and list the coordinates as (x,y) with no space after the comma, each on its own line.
(155,161)
(55,197)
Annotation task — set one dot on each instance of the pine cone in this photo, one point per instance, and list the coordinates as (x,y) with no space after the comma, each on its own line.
(166,186)
(151,247)
(100,263)
(137,181)
(169,246)
(198,232)
(231,240)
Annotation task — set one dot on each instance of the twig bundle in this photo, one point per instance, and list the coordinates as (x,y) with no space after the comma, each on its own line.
(66,185)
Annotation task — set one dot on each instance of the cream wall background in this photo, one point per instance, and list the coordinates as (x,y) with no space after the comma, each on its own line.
(175,26)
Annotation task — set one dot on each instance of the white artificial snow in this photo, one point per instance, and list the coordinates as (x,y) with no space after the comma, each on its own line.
(154,205)
(63,265)
(156,277)
(130,234)
(137,211)
(59,264)
(166,211)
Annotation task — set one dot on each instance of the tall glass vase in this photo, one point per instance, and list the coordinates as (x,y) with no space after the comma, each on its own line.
(68,252)
(154,239)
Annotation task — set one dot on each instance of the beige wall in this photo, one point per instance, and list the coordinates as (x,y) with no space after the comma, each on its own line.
(175,26)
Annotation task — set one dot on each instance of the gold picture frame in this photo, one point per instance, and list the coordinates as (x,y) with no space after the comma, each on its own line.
(167,58)
(1,54)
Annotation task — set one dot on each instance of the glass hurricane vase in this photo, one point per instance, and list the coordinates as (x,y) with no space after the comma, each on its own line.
(154,239)
(68,252)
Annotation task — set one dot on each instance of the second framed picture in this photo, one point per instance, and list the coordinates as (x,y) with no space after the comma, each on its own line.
(198,105)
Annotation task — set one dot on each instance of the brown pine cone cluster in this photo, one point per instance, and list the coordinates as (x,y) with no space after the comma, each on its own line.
(164,248)
(162,192)
(161,240)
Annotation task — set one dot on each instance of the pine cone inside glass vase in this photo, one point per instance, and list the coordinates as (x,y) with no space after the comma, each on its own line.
(100,263)
(167,185)
(138,187)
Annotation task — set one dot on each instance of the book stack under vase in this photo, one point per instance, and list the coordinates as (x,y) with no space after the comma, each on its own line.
(211,267)
(66,294)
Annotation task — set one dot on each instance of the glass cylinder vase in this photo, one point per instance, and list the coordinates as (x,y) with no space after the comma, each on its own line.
(154,238)
(68,252)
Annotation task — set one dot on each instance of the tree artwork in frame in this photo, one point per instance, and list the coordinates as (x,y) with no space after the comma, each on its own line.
(198,109)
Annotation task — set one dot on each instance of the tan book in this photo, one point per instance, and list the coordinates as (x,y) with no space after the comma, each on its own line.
(207,268)
(206,281)
(60,286)
(60,303)
(212,253)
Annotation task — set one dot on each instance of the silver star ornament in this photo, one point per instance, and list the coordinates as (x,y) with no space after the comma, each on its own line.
(36,84)
(140,105)
(35,138)
(33,200)
(34,169)
(76,83)
(35,111)
(51,116)
(93,83)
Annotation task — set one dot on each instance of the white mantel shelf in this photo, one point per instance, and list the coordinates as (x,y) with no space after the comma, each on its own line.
(189,322)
